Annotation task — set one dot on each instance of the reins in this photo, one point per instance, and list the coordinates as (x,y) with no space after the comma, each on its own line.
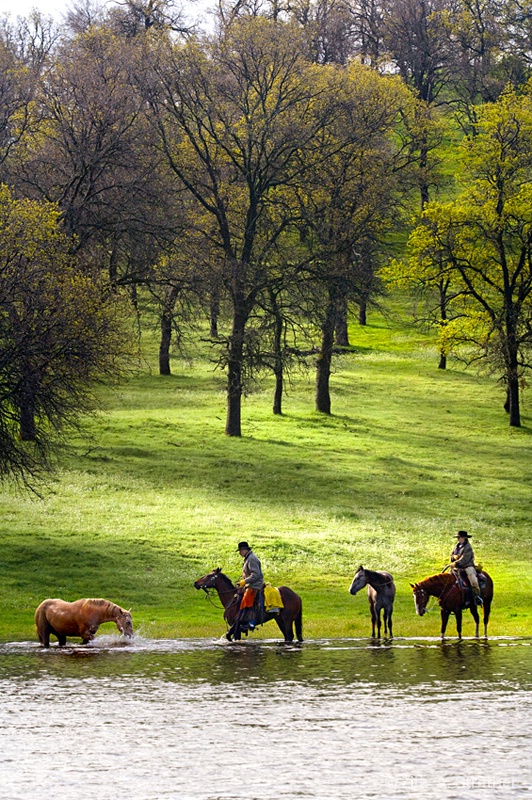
(446,590)
(208,594)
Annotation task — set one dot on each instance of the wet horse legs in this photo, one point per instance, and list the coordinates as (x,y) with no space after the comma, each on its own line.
(375,618)
(387,614)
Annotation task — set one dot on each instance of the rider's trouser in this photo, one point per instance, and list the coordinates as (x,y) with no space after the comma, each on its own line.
(473,579)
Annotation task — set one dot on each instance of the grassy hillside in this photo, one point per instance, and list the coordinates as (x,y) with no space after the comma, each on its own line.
(155,495)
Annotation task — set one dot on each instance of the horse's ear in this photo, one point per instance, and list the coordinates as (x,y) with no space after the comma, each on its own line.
(128,611)
(413,585)
(218,569)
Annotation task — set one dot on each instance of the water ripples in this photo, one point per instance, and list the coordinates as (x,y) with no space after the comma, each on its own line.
(205,720)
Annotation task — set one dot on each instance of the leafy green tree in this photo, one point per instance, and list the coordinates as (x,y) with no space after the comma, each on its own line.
(24,51)
(236,116)
(94,154)
(482,241)
(60,332)
(349,195)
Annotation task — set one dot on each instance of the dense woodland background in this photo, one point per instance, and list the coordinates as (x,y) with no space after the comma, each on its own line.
(312,219)
(256,186)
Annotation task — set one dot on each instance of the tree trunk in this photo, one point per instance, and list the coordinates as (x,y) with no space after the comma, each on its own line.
(513,396)
(362,312)
(113,264)
(26,401)
(234,374)
(323,365)
(342,333)
(443,288)
(423,169)
(278,392)
(512,365)
(28,429)
(278,360)
(167,316)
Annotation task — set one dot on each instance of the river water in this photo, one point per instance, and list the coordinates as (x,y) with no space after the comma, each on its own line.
(208,720)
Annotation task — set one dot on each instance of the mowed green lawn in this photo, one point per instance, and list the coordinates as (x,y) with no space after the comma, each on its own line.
(156,495)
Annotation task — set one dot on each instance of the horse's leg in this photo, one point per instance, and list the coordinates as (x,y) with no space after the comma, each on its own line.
(284,620)
(474,614)
(43,627)
(299,625)
(487,609)
(87,633)
(444,621)
(373,617)
(458,615)
(388,616)
(61,638)
(44,634)
(280,624)
(378,622)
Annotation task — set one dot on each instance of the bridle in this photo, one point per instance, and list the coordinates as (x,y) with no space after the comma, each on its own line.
(444,594)
(209,589)
(426,607)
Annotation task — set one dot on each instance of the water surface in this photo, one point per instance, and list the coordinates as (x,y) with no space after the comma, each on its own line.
(206,720)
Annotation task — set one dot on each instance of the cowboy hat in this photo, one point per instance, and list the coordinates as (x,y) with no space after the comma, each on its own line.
(243,546)
(462,535)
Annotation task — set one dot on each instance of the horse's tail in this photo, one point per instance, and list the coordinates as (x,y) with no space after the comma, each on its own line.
(43,626)
(298,622)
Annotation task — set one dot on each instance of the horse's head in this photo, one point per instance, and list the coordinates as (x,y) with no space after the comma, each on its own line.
(208,581)
(124,623)
(421,598)
(359,581)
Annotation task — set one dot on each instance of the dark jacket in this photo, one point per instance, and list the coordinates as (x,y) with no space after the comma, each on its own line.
(463,556)
(252,571)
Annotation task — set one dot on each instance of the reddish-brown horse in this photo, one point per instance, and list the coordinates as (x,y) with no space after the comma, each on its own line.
(290,614)
(80,618)
(453,599)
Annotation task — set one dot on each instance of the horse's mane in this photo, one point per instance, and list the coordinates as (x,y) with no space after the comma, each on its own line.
(101,603)
(226,577)
(439,577)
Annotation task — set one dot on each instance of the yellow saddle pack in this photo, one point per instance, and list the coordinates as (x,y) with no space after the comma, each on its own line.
(272,599)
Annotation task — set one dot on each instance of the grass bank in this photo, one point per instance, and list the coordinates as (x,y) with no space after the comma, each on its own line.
(154,495)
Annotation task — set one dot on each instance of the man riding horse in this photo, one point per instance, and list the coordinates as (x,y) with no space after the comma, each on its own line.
(463,558)
(251,586)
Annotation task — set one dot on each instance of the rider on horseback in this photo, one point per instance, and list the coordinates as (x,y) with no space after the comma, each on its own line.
(463,558)
(251,585)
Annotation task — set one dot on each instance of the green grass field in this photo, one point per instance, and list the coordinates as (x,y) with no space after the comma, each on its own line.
(156,495)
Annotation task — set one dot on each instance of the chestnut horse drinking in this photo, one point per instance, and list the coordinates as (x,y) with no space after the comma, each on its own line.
(289,616)
(80,618)
(453,599)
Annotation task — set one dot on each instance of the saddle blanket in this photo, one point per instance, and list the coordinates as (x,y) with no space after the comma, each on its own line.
(463,582)
(272,598)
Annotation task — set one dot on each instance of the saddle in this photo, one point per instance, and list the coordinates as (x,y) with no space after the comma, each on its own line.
(463,582)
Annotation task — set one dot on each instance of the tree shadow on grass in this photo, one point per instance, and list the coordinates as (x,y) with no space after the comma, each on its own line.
(335,476)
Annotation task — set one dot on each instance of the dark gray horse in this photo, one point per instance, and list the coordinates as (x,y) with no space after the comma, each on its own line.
(381,594)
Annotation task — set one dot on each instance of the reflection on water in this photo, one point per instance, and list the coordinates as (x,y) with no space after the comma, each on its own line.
(183,719)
